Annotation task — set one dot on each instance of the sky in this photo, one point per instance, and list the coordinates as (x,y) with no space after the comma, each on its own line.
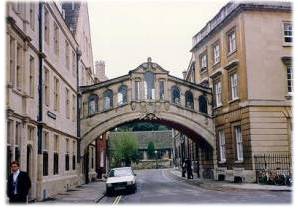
(125,33)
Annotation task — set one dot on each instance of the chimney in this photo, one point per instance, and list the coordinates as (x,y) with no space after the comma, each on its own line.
(184,74)
(100,72)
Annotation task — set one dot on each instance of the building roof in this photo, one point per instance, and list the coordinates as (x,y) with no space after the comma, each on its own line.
(72,10)
(232,8)
(160,139)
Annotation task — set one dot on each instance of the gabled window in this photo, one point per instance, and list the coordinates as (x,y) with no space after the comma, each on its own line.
(175,95)
(203,104)
(122,95)
(161,89)
(189,100)
(149,85)
(108,99)
(137,90)
(288,36)
(92,104)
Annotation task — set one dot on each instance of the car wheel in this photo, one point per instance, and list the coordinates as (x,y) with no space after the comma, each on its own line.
(109,191)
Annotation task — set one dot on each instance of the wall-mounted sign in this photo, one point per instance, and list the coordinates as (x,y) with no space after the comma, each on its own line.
(52,115)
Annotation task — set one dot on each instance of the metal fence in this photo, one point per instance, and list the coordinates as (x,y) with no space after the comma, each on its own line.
(273,168)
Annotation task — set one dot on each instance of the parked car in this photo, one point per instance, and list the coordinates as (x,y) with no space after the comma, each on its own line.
(121,179)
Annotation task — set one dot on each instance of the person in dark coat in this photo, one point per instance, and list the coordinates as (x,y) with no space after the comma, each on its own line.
(18,184)
(189,169)
(183,168)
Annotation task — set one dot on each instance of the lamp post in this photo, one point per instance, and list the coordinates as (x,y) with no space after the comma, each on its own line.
(155,158)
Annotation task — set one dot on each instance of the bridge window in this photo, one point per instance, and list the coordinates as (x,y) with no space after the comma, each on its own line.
(149,85)
(161,90)
(189,99)
(203,104)
(108,99)
(92,104)
(137,90)
(122,95)
(175,95)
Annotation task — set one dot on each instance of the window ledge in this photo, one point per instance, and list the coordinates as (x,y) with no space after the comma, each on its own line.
(215,64)
(231,53)
(287,44)
(289,96)
(219,106)
(234,100)
(203,70)
(239,161)
(222,161)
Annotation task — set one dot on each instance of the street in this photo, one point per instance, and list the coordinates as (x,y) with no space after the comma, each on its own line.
(158,186)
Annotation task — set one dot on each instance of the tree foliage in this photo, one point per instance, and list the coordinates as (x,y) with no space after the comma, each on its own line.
(124,149)
(151,150)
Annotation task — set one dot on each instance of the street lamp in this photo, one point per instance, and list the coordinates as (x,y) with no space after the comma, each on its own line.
(155,158)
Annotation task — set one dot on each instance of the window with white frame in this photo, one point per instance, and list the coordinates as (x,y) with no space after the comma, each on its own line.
(287,32)
(217,93)
(216,54)
(290,78)
(222,145)
(203,62)
(231,42)
(234,86)
(239,143)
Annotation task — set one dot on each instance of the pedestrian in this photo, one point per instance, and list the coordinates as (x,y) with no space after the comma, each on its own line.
(189,169)
(183,168)
(18,184)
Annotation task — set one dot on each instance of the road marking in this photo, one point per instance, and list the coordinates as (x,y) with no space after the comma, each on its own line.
(116,201)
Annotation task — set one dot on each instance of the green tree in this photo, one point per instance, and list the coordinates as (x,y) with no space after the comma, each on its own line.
(124,149)
(151,150)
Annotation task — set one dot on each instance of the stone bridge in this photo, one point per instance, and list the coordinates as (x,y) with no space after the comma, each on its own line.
(147,93)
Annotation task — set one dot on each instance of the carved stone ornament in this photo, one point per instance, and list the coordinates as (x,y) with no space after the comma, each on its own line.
(133,106)
(149,116)
(167,106)
(143,107)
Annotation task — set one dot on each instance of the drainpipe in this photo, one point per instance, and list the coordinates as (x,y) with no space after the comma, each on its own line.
(79,97)
(41,57)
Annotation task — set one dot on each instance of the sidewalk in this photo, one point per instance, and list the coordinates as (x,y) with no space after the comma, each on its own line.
(87,193)
(225,185)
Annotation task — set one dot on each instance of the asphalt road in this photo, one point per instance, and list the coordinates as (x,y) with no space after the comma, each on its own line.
(157,186)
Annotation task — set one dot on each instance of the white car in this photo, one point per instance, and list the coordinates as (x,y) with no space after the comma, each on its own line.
(121,179)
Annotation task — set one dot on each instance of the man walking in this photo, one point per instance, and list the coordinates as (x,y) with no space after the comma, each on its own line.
(18,184)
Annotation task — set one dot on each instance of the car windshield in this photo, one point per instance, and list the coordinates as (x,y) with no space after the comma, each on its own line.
(120,172)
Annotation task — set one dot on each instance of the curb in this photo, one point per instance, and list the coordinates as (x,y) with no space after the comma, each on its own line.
(222,188)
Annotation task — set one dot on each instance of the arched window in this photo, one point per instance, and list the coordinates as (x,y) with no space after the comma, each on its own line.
(92,104)
(149,85)
(203,104)
(189,99)
(175,95)
(108,99)
(122,94)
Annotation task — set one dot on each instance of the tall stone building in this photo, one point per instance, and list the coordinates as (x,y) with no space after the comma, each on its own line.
(48,56)
(244,54)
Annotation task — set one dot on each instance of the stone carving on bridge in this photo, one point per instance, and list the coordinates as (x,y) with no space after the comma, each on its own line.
(133,106)
(149,116)
(167,106)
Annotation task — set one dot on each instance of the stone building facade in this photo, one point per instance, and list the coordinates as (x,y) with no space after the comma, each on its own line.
(45,53)
(244,55)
